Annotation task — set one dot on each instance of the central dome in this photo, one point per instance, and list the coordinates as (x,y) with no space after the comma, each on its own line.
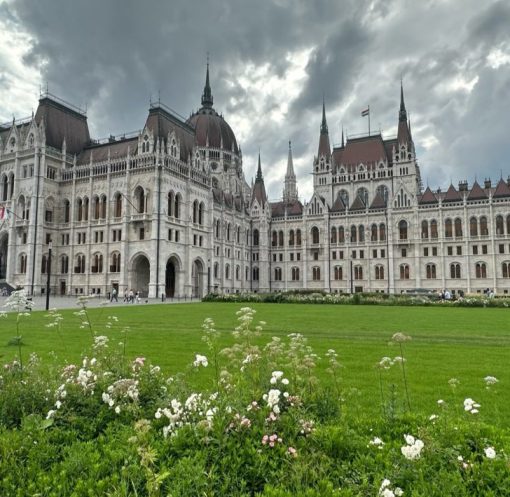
(210,128)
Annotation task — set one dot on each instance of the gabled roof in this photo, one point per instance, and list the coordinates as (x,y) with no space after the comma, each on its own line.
(476,192)
(368,150)
(338,205)
(428,197)
(99,153)
(358,204)
(452,195)
(502,190)
(378,202)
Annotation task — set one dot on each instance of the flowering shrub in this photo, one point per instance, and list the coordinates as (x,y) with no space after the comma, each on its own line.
(266,426)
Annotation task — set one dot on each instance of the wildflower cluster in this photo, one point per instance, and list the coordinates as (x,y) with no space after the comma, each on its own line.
(121,393)
(386,490)
(471,406)
(413,448)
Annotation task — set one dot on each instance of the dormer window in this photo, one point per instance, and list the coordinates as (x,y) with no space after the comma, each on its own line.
(31,140)
(145,144)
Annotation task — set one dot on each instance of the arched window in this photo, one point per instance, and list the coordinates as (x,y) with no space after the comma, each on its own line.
(448,228)
(379,272)
(358,272)
(238,234)
(238,273)
(344,195)
(177,206)
(97,263)
(338,273)
(274,239)
(278,274)
(280,238)
(79,209)
(354,234)
(195,211)
(473,227)
(363,195)
(227,271)
(201,211)
(431,271)
(382,232)
(85,209)
(255,274)
(5,187)
(315,235)
(216,270)
(23,263)
(361,233)
(333,235)
(295,274)
(424,229)
(217,228)
(373,233)
(255,238)
(455,271)
(11,185)
(316,273)
(505,267)
(433,229)
(458,227)
(115,263)
(298,237)
(117,210)
(229,232)
(139,199)
(484,228)
(64,264)
(500,228)
(402,230)
(481,270)
(341,235)
(170,204)
(508,224)
(291,238)
(103,207)
(96,206)
(80,264)
(404,271)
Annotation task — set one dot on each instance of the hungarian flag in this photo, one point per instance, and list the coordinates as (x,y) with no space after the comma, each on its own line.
(3,213)
(365,112)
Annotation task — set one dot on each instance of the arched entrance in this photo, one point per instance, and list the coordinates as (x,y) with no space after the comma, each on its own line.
(172,267)
(197,277)
(141,275)
(4,239)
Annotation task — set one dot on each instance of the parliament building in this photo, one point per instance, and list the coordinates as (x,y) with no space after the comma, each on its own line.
(167,211)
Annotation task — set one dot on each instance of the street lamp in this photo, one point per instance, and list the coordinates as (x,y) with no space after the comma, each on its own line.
(48,272)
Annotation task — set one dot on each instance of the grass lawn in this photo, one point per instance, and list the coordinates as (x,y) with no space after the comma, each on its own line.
(464,343)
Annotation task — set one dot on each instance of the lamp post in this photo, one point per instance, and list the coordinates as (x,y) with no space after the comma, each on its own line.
(48,273)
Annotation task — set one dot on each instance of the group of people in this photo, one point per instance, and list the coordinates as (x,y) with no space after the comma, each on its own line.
(447,295)
(130,297)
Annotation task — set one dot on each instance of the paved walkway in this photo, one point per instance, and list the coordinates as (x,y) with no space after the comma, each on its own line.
(70,302)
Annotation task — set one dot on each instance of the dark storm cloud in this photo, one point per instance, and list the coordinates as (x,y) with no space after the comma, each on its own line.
(114,55)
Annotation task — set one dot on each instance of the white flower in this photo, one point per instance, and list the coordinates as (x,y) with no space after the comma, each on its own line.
(272,397)
(58,404)
(490,453)
(440,402)
(377,442)
(490,380)
(285,381)
(117,410)
(433,417)
(471,406)
(200,360)
(409,439)
(51,414)
(413,448)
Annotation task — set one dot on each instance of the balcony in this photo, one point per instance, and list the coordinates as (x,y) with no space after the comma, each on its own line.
(140,217)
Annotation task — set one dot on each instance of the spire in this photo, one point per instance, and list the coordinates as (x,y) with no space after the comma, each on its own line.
(324,124)
(402,115)
(259,171)
(290,193)
(207,98)
(343,141)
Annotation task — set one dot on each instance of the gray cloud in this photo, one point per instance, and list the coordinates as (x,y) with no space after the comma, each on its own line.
(114,55)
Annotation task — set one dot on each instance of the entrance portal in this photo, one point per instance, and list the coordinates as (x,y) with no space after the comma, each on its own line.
(3,255)
(141,275)
(197,276)
(170,278)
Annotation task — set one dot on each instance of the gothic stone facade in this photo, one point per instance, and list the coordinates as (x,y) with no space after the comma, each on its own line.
(167,211)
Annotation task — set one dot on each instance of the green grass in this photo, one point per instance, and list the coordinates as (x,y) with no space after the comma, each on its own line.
(467,344)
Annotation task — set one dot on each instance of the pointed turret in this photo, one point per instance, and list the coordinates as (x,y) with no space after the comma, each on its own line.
(290,193)
(259,189)
(404,133)
(207,98)
(324,146)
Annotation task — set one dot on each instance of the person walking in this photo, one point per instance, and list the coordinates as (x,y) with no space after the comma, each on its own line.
(131,296)
(114,295)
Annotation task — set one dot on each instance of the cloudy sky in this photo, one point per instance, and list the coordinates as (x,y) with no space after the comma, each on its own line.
(271,63)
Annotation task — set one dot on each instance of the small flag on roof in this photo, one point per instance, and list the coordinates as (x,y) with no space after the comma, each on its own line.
(365,112)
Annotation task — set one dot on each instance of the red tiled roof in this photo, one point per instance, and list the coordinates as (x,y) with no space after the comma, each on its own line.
(452,195)
(502,190)
(100,152)
(324,146)
(368,150)
(358,204)
(476,192)
(428,197)
(338,205)
(293,208)
(378,202)
(210,126)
